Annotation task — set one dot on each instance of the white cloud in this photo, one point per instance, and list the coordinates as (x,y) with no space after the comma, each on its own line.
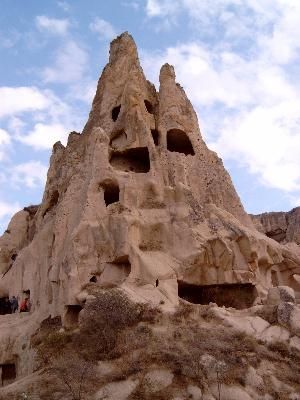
(249,99)
(4,143)
(9,39)
(104,28)
(70,64)
(132,4)
(64,5)
(30,174)
(267,141)
(52,25)
(8,209)
(43,136)
(47,120)
(15,100)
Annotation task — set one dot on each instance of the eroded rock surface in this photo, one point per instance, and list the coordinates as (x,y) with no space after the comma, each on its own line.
(283,227)
(138,201)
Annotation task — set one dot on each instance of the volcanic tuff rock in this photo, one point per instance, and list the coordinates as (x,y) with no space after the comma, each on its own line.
(284,227)
(139,201)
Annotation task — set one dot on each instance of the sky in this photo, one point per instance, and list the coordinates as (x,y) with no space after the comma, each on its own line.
(238,61)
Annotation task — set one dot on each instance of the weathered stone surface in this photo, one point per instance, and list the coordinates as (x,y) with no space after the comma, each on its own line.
(117,390)
(157,380)
(139,201)
(194,392)
(279,294)
(295,343)
(230,392)
(274,334)
(283,227)
(288,315)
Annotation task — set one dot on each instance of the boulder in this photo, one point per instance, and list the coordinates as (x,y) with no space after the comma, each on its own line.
(194,392)
(117,390)
(157,380)
(288,315)
(279,294)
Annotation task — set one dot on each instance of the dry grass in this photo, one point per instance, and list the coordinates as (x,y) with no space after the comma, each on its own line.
(114,328)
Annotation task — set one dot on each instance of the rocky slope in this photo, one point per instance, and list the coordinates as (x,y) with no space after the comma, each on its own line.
(284,227)
(136,201)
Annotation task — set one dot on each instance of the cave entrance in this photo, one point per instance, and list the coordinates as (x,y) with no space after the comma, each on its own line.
(149,106)
(115,112)
(131,160)
(71,317)
(155,136)
(8,373)
(236,295)
(179,142)
(111,192)
(5,306)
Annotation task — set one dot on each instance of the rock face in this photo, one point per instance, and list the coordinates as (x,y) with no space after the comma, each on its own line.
(284,227)
(137,200)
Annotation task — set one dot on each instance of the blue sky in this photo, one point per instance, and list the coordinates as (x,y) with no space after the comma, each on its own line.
(238,61)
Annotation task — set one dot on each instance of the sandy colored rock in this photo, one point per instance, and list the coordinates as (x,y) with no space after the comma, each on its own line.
(157,380)
(117,390)
(230,392)
(283,227)
(279,294)
(137,201)
(295,342)
(274,334)
(288,315)
(194,392)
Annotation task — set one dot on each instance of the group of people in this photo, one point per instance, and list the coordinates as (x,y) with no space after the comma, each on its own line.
(11,305)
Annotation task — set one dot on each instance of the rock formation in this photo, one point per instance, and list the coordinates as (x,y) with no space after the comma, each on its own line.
(137,200)
(284,227)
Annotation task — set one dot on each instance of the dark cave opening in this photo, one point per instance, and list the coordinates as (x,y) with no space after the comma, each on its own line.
(236,295)
(149,106)
(71,317)
(93,279)
(5,306)
(131,160)
(155,136)
(8,373)
(115,112)
(111,192)
(179,142)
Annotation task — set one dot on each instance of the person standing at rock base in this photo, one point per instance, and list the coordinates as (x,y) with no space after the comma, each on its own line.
(14,304)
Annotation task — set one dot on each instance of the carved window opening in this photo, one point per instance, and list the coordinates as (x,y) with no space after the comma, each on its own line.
(93,279)
(131,160)
(115,112)
(111,192)
(179,142)
(156,282)
(149,106)
(71,318)
(8,373)
(5,306)
(155,136)
(237,295)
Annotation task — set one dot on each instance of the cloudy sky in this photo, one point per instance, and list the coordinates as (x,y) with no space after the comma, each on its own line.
(238,61)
